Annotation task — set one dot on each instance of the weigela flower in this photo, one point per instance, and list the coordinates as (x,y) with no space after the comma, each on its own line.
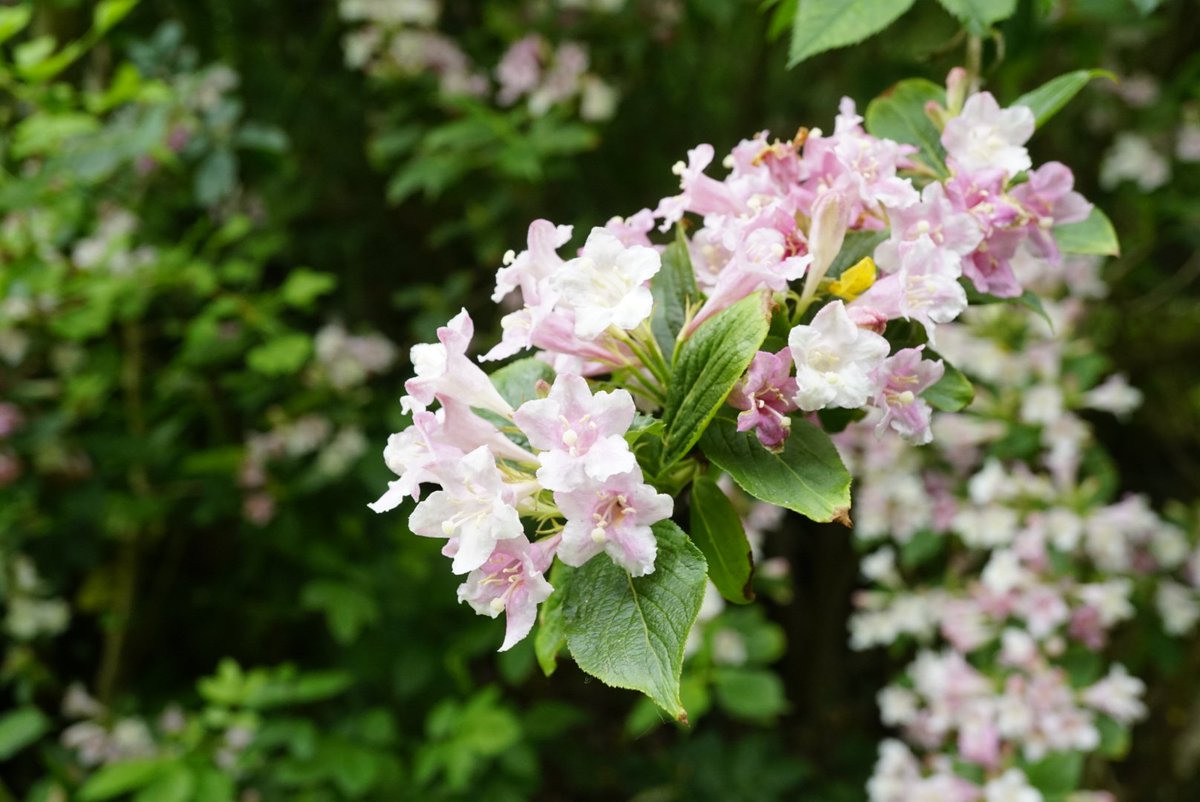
(903,377)
(512,582)
(836,361)
(925,288)
(580,435)
(607,284)
(475,506)
(985,136)
(443,368)
(935,218)
(765,397)
(613,516)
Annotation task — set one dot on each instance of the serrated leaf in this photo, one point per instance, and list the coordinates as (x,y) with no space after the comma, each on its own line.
(1050,97)
(952,392)
(19,728)
(899,114)
(517,381)
(629,632)
(717,529)
(673,286)
(13,20)
(551,635)
(1095,236)
(710,363)
(807,476)
(822,25)
(979,15)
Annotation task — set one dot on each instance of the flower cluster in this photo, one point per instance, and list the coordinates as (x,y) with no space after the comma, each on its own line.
(403,40)
(783,231)
(1028,563)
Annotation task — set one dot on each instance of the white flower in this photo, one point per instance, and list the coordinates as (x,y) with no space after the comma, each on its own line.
(986,136)
(474,507)
(1011,786)
(1177,606)
(1133,158)
(606,285)
(1004,572)
(1119,695)
(835,360)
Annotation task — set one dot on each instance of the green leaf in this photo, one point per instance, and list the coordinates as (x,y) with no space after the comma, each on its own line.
(1057,773)
(109,12)
(1114,738)
(629,632)
(280,356)
(855,247)
(213,786)
(751,694)
(13,20)
(1028,299)
(672,287)
(952,392)
(517,381)
(175,784)
(899,114)
(979,15)
(303,287)
(20,728)
(551,635)
(348,609)
(717,529)
(807,476)
(1047,99)
(28,55)
(117,779)
(1094,236)
(822,25)
(710,363)
(216,177)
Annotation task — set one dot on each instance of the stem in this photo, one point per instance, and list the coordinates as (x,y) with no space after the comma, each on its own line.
(974,62)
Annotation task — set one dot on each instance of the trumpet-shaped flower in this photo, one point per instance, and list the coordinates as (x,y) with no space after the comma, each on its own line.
(613,516)
(475,507)
(512,582)
(607,284)
(985,136)
(835,360)
(904,377)
(443,368)
(580,435)
(765,397)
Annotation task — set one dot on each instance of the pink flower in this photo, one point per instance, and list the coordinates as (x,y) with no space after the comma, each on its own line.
(580,435)
(511,581)
(1049,200)
(985,136)
(475,507)
(1119,695)
(520,69)
(443,368)
(530,268)
(765,396)
(613,516)
(925,289)
(904,376)
(11,419)
(936,218)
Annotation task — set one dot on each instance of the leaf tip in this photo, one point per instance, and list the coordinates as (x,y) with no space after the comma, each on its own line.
(842,516)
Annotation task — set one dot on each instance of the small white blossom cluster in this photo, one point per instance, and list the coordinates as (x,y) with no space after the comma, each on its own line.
(402,40)
(771,230)
(1032,566)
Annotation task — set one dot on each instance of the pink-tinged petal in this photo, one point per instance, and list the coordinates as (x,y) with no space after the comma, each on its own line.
(607,457)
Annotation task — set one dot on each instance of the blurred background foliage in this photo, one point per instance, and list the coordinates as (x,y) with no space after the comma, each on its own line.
(222,230)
